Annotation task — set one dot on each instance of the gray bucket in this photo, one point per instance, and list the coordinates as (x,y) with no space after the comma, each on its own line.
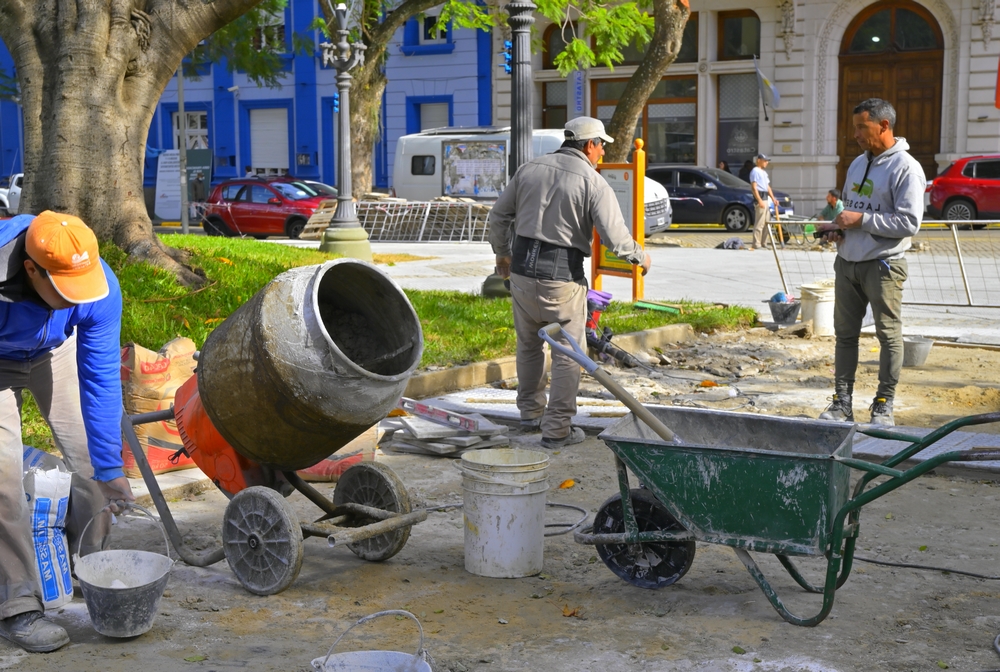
(915,350)
(313,360)
(375,661)
(125,610)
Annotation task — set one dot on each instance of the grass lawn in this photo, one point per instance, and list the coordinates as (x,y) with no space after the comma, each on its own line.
(458,328)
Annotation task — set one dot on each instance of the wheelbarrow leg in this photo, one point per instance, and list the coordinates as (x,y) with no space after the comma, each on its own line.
(186,554)
(832,568)
(628,511)
(793,571)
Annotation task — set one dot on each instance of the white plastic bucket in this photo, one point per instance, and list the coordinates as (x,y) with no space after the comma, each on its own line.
(817,306)
(504,507)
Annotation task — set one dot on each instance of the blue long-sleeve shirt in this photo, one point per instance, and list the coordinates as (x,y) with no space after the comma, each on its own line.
(29,329)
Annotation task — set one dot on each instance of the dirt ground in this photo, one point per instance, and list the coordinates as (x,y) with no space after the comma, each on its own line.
(577,615)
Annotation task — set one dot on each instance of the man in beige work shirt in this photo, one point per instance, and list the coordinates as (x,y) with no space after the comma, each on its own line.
(541,229)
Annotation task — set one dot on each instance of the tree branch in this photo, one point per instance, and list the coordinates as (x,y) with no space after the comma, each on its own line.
(395,19)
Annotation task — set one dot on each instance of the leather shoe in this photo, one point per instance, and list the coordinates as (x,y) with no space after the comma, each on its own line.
(32,632)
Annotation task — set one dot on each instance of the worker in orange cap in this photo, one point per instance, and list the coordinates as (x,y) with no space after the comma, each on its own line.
(60,325)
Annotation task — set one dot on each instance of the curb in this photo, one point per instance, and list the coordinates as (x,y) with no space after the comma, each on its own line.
(478,374)
(173,485)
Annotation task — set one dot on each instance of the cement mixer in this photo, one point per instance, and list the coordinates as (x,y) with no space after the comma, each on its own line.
(310,362)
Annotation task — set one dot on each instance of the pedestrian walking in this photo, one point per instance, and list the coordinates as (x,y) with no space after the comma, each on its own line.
(883,206)
(198,189)
(541,230)
(763,197)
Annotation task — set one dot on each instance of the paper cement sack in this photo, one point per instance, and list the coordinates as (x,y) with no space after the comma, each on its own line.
(149,381)
(47,488)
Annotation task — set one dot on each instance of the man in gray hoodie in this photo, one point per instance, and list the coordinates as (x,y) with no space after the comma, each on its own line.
(883,205)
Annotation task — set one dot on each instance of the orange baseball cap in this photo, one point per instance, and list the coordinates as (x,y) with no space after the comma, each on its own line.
(67,249)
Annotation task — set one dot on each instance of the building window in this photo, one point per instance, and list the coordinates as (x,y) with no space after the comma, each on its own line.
(689,46)
(739,100)
(669,120)
(739,35)
(897,29)
(426,34)
(555,101)
(195,130)
(271,33)
(426,112)
(555,43)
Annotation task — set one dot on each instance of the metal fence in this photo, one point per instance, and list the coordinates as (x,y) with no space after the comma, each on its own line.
(950,263)
(411,221)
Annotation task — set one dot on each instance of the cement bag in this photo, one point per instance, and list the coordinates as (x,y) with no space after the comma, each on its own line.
(361,449)
(149,381)
(47,486)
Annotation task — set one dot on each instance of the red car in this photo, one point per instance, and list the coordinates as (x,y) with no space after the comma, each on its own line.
(260,207)
(967,189)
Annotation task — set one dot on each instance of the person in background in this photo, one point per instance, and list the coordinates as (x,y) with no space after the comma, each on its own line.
(541,229)
(249,170)
(760,185)
(834,206)
(60,324)
(197,196)
(724,166)
(745,170)
(882,213)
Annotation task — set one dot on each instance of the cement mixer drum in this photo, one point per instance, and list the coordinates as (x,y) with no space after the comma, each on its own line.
(311,361)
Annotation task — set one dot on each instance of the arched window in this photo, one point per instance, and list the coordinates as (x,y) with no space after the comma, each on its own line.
(883,28)
(556,38)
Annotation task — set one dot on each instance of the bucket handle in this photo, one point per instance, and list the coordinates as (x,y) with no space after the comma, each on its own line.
(421,652)
(468,473)
(130,505)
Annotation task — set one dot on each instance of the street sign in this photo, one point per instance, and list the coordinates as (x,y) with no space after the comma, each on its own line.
(576,85)
(626,180)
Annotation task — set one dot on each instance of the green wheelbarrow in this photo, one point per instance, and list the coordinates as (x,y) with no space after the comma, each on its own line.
(756,483)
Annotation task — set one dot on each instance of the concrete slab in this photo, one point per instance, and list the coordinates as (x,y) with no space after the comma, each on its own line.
(174,485)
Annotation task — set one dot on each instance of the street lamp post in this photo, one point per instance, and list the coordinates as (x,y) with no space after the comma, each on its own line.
(345,234)
(520,16)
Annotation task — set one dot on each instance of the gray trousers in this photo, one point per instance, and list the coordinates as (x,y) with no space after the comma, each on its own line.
(761,218)
(53,381)
(538,303)
(879,283)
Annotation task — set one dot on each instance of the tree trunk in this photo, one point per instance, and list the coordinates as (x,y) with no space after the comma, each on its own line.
(670,17)
(91,73)
(370,80)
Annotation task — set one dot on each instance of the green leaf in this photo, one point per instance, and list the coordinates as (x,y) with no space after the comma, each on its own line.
(943,665)
(196,659)
(739,649)
(922,549)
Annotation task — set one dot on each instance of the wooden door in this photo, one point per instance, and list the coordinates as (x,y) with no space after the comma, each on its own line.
(908,75)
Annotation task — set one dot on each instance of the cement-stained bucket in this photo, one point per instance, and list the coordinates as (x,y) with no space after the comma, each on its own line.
(817,306)
(504,509)
(375,661)
(123,588)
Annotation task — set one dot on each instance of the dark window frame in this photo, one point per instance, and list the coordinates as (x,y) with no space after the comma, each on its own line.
(721,33)
(892,5)
(421,161)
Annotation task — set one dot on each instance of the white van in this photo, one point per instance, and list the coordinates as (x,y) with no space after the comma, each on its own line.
(471,162)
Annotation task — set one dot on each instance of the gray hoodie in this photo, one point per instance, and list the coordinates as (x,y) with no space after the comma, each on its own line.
(889,190)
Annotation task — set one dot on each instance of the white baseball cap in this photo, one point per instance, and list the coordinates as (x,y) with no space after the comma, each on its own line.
(586,128)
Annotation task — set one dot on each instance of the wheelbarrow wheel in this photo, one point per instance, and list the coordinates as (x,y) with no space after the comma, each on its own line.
(262,540)
(647,565)
(375,485)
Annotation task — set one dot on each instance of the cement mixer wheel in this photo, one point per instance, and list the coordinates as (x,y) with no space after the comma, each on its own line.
(262,540)
(376,485)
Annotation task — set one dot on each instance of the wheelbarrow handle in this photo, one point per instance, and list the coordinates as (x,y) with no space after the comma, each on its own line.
(579,356)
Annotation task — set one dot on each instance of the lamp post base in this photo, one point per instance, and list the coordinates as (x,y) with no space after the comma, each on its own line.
(351,242)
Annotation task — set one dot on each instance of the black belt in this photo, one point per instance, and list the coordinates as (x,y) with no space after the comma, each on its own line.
(545,261)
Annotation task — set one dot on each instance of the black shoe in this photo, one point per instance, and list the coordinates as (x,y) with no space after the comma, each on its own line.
(530,425)
(33,633)
(881,410)
(575,435)
(840,409)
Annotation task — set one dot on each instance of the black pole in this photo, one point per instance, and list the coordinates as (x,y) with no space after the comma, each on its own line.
(521,16)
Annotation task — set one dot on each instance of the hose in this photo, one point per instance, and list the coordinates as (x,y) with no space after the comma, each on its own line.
(996,642)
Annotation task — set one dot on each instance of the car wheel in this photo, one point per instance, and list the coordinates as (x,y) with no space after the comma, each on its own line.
(295,227)
(736,218)
(215,227)
(959,210)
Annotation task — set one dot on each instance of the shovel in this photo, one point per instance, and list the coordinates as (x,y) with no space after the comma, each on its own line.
(604,378)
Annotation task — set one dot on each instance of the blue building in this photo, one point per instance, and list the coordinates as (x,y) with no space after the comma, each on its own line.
(436,78)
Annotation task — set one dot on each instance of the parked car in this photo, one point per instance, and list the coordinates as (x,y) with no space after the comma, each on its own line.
(10,194)
(967,189)
(324,190)
(701,195)
(658,213)
(260,207)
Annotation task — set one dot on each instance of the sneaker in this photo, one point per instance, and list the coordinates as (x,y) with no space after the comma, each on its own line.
(531,425)
(33,633)
(575,435)
(840,410)
(881,410)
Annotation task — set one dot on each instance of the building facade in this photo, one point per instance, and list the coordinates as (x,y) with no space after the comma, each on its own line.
(437,76)
(935,60)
